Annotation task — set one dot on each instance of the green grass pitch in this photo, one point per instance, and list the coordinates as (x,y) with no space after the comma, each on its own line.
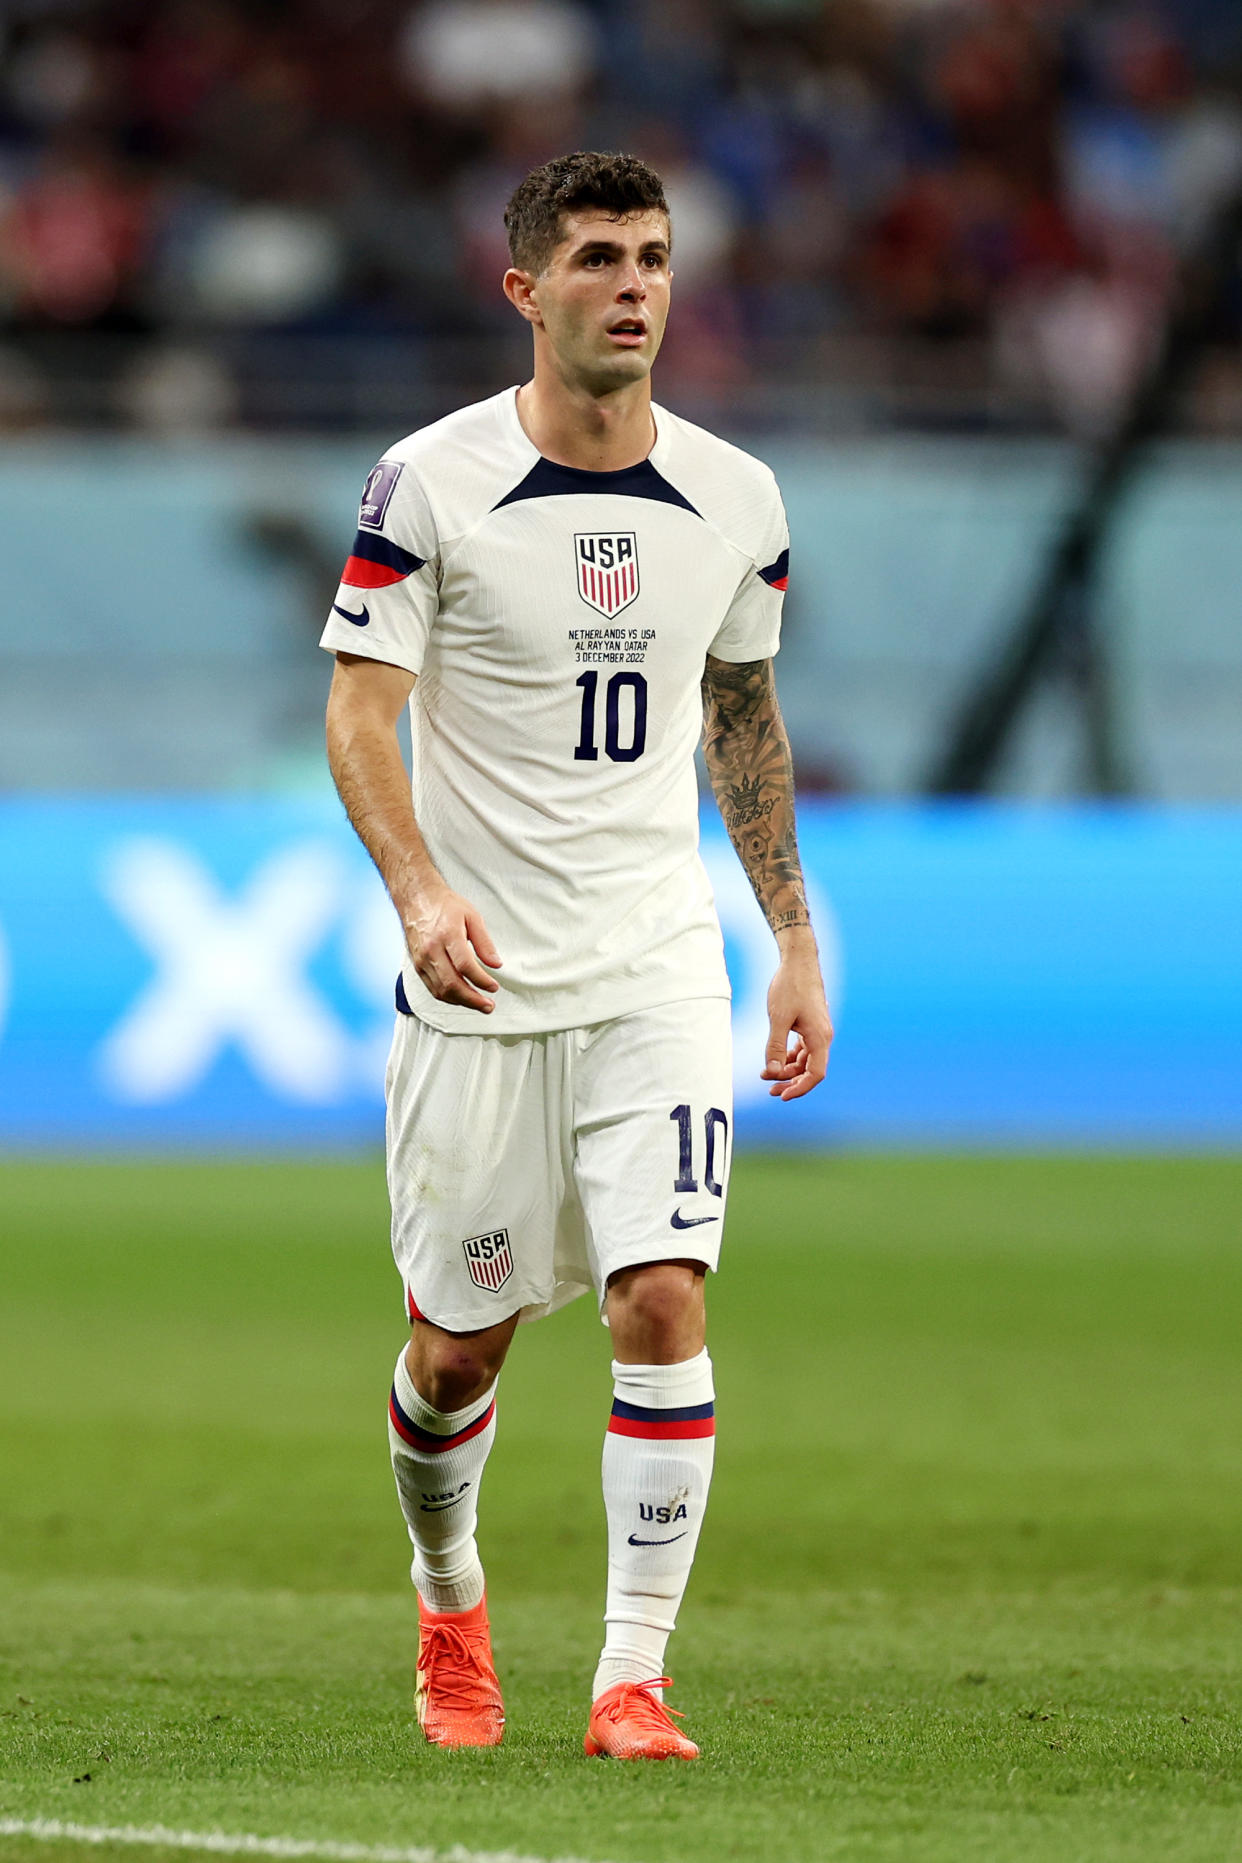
(969,1587)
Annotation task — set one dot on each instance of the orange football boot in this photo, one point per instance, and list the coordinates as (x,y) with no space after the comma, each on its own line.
(629,1722)
(457,1691)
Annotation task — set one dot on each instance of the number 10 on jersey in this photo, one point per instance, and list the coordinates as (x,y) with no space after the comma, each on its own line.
(625,718)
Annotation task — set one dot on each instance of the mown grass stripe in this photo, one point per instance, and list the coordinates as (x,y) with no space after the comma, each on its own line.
(246,1843)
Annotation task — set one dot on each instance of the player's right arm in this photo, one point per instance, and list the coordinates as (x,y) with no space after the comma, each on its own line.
(446,937)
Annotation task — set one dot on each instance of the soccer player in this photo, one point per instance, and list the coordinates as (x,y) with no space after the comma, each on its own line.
(566,584)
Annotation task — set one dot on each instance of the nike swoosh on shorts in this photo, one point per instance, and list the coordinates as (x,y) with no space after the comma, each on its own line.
(678,1221)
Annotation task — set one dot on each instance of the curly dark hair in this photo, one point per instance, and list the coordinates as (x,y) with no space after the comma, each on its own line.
(618,184)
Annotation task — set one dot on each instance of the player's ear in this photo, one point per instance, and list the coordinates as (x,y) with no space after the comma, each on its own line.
(519,288)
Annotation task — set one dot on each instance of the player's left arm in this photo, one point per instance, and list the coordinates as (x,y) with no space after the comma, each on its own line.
(751,771)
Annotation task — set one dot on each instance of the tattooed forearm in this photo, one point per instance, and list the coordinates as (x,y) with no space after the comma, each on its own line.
(751,773)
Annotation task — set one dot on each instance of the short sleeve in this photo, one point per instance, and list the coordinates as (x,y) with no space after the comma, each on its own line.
(751,630)
(386,604)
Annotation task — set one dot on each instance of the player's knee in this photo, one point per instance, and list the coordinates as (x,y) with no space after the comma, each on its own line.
(449,1371)
(656,1311)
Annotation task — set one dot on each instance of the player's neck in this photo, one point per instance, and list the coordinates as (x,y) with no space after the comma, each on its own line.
(594,433)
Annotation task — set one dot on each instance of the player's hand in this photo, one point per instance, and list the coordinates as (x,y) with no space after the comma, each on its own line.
(799,1026)
(449,945)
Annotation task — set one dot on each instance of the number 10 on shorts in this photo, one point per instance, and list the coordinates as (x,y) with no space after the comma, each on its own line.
(715,1124)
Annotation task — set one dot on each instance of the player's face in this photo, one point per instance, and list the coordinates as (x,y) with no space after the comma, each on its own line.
(603,300)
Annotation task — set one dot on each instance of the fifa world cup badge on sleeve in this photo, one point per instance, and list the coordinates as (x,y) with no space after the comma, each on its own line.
(377,492)
(489,1260)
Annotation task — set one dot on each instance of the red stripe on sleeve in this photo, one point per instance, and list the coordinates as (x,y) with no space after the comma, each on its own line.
(360,574)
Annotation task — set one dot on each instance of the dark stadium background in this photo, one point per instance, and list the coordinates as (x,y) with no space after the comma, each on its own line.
(968,274)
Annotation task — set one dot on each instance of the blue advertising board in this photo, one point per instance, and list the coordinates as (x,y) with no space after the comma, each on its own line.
(218,974)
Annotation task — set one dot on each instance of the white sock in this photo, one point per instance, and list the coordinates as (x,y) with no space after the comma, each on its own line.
(657,1470)
(437,1458)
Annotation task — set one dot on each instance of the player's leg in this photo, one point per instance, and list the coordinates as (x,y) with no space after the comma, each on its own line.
(472,1236)
(657,1470)
(441,1426)
(649,1176)
(657,1465)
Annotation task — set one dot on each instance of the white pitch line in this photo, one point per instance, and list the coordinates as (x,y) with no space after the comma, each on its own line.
(245,1843)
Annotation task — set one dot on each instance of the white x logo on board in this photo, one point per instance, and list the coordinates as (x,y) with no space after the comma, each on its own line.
(230,970)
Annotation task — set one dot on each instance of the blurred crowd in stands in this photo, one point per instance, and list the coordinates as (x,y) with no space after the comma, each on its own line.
(219,211)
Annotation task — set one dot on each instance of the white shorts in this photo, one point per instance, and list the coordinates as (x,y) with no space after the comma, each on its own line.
(525,1169)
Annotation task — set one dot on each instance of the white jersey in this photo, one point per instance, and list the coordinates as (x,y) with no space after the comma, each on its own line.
(558,622)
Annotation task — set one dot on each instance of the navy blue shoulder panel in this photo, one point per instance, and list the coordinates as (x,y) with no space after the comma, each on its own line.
(548,480)
(776,575)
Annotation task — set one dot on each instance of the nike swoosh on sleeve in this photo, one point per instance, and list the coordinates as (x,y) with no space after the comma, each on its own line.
(358,620)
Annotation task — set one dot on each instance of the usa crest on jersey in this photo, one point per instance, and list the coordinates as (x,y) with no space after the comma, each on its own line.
(489,1260)
(607,569)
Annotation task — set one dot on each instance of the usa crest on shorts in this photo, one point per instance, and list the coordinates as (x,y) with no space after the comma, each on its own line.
(607,569)
(489,1259)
